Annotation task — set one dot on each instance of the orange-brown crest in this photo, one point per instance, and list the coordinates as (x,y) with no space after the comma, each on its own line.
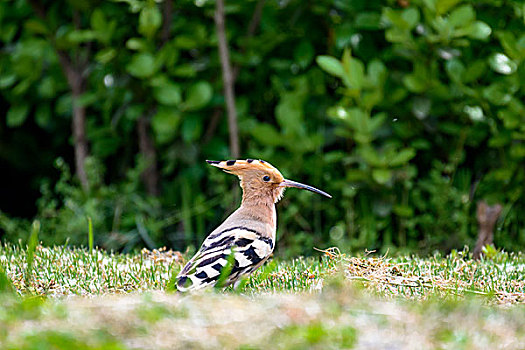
(249,168)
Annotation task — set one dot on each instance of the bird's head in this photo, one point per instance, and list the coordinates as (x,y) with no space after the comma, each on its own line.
(260,179)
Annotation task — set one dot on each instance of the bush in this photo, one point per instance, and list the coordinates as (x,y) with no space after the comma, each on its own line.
(407,112)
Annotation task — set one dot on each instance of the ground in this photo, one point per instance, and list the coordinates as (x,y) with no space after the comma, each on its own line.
(72,298)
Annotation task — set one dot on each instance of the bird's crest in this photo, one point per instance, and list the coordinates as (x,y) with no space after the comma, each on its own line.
(238,167)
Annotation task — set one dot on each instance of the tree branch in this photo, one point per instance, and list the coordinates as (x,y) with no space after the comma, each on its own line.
(150,175)
(227,78)
(76,82)
(167,16)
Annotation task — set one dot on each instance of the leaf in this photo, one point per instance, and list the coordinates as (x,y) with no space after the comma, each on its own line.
(198,95)
(142,65)
(368,20)
(462,16)
(402,157)
(168,94)
(381,176)
(331,65)
(411,17)
(266,134)
(511,120)
(138,44)
(7,80)
(474,71)
(36,26)
(354,71)
(165,124)
(104,29)
(497,93)
(371,156)
(104,56)
(98,20)
(43,115)
(502,64)
(479,30)
(289,112)
(17,114)
(443,6)
(510,45)
(455,69)
(150,20)
(191,129)
(395,18)
(81,36)
(377,73)
(414,83)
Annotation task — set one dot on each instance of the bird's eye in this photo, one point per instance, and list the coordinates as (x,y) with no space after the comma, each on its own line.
(266,178)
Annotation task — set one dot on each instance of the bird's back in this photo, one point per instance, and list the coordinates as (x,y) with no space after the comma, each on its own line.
(243,234)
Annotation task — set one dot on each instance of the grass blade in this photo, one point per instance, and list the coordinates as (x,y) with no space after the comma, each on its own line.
(30,254)
(6,286)
(90,234)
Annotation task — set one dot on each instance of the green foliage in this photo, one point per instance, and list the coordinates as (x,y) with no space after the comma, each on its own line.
(408,113)
(113,217)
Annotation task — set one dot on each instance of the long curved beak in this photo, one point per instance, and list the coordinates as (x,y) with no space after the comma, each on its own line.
(290,183)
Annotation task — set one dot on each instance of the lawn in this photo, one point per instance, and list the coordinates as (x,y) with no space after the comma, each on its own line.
(73,298)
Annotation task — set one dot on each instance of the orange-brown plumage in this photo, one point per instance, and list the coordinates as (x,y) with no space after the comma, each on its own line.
(248,233)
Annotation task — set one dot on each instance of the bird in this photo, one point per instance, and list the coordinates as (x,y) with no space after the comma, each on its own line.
(246,239)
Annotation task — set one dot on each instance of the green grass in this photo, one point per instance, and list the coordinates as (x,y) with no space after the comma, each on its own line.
(74,298)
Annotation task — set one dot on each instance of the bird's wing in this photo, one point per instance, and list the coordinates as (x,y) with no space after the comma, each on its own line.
(250,249)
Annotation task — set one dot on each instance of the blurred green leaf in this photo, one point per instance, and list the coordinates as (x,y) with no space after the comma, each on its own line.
(511,45)
(331,65)
(497,93)
(381,176)
(36,26)
(415,83)
(165,124)
(479,30)
(106,55)
(462,16)
(502,64)
(474,71)
(81,36)
(266,134)
(198,95)
(43,115)
(354,70)
(455,70)
(511,120)
(150,20)
(16,115)
(443,6)
(7,80)
(368,20)
(402,157)
(411,17)
(142,65)
(168,94)
(377,73)
(138,44)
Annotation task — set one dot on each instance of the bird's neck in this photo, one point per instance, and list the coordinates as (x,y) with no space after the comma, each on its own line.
(260,207)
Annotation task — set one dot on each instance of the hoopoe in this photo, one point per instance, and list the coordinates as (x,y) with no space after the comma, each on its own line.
(248,233)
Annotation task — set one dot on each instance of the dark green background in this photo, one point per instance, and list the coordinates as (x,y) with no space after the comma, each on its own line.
(407,112)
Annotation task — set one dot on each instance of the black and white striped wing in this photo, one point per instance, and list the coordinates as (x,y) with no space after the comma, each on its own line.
(250,250)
